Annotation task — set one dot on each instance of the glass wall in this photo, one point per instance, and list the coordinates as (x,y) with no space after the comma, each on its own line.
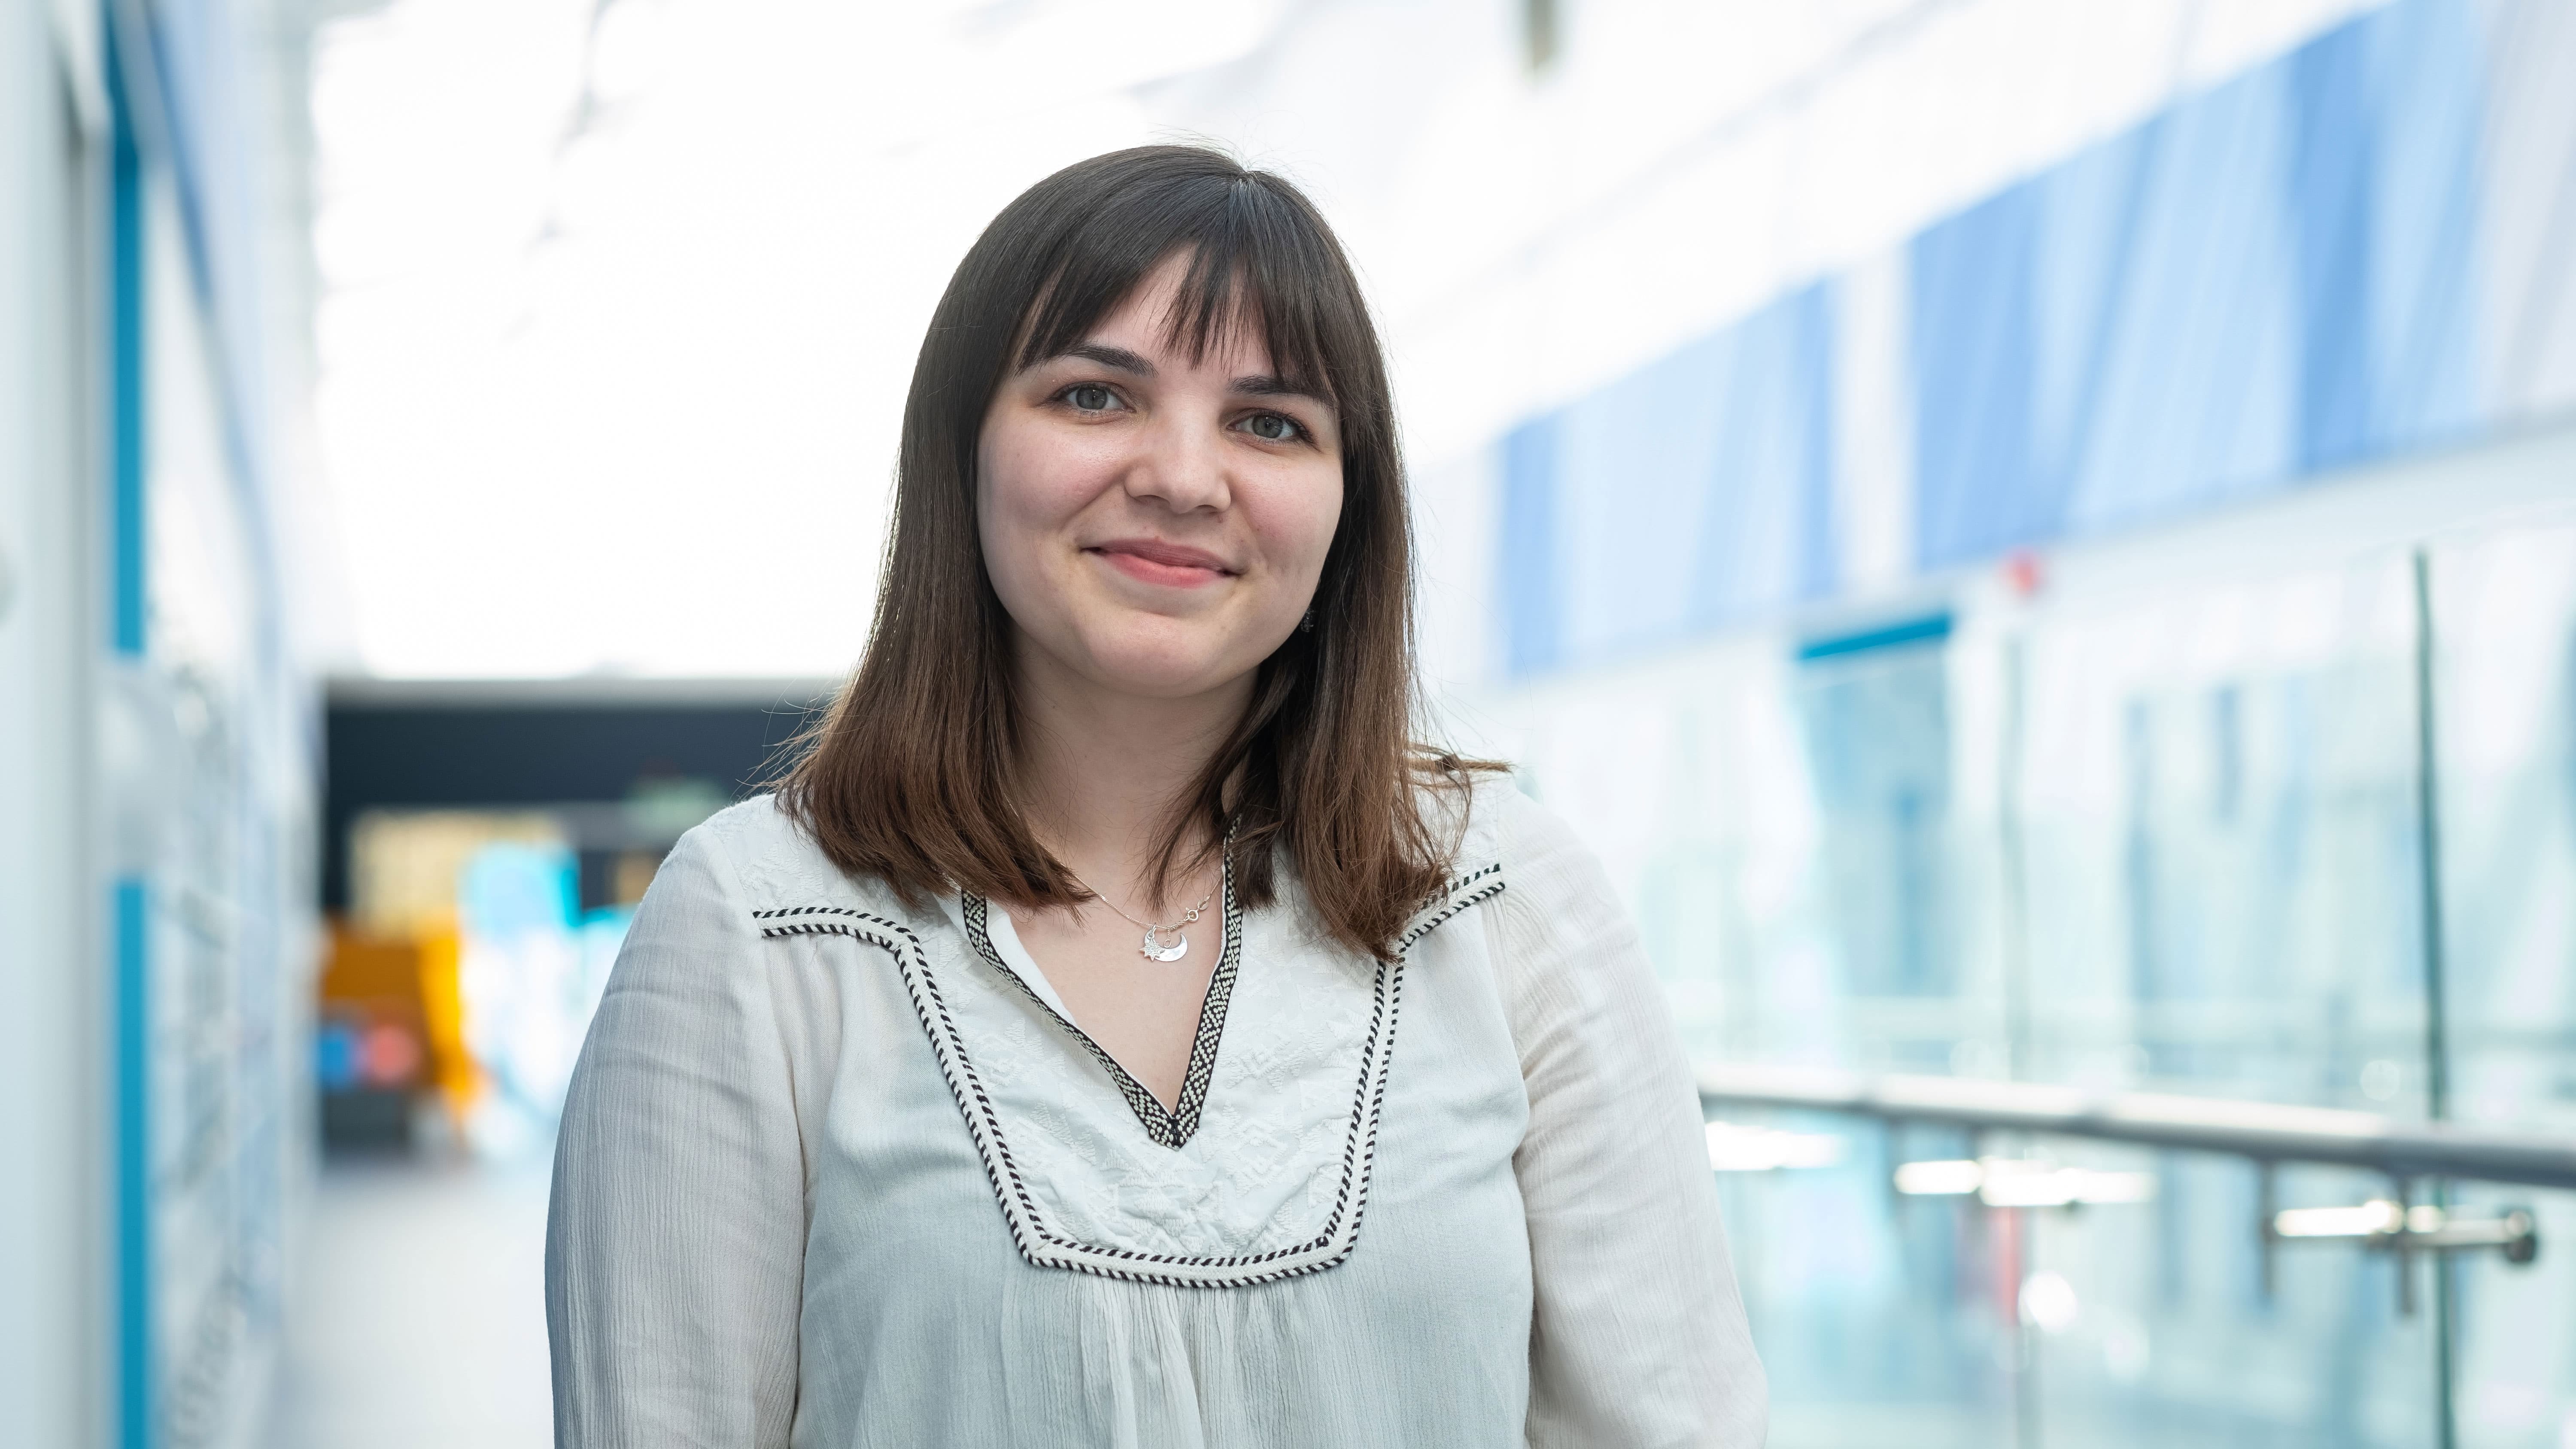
(2504,597)
(2145,818)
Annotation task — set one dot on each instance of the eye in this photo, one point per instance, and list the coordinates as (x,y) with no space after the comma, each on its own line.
(1274,428)
(1089,397)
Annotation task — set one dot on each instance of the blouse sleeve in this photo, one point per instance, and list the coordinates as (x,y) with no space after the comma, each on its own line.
(676,1237)
(1638,1336)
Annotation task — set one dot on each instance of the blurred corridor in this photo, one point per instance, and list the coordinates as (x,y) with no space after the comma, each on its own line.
(418,1323)
(2036,541)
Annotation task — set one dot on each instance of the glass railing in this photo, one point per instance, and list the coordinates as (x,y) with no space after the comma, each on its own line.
(2264,821)
(1989,1262)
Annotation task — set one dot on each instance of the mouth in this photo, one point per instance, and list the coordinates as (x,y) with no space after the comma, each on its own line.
(1152,561)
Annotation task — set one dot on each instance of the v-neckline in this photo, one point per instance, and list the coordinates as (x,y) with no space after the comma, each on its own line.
(1170,1126)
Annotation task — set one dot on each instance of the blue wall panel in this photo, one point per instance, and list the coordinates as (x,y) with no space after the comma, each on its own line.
(1807,322)
(1978,484)
(2197,359)
(1693,492)
(2330,175)
(1641,456)
(2427,69)
(2085,263)
(2270,280)
(1772,423)
(1527,578)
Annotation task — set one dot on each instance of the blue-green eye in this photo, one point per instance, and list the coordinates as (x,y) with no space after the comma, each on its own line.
(1273,428)
(1090,397)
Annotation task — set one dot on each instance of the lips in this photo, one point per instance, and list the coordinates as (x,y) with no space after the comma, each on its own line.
(1153,561)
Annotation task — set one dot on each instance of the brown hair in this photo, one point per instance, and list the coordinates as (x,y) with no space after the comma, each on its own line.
(913,774)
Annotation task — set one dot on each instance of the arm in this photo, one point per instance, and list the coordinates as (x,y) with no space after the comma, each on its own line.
(675,1241)
(1638,1337)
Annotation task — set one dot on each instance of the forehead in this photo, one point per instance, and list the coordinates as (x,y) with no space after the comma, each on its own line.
(1188,308)
(1162,319)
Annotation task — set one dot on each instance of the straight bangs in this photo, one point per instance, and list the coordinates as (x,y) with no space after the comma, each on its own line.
(914,775)
(1260,260)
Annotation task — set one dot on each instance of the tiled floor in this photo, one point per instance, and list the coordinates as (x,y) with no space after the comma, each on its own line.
(420,1319)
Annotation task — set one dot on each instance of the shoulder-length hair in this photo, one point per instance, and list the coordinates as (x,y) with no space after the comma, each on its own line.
(914,775)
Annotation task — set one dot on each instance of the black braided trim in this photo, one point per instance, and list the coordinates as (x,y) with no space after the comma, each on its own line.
(1043,1248)
(1164,1126)
(1464,893)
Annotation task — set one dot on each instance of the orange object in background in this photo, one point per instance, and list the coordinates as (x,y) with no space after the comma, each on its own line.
(395,998)
(451,1067)
(373,983)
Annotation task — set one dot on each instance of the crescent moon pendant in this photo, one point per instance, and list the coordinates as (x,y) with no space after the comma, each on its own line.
(1156,951)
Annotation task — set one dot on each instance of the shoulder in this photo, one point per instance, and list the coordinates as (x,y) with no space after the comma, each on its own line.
(1494,823)
(744,831)
(1513,855)
(762,860)
(718,894)
(1556,901)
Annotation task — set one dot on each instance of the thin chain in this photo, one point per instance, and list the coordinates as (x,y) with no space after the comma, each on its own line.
(1189,919)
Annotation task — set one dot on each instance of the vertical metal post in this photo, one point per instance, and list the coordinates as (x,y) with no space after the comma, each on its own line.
(2437,1045)
(2267,1205)
(2437,1053)
(1891,1155)
(2013,1232)
(2008,829)
(2403,1252)
(2014,1222)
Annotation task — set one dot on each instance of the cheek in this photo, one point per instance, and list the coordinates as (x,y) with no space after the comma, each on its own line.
(1025,494)
(1012,479)
(1296,524)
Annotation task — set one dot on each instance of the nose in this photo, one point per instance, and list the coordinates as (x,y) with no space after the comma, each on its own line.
(1182,465)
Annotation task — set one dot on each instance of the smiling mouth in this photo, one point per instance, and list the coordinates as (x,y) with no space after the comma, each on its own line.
(1152,561)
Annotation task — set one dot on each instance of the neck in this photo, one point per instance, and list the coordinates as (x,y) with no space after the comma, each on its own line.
(1105,770)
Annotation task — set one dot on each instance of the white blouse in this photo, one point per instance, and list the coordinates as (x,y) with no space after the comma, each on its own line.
(835,1172)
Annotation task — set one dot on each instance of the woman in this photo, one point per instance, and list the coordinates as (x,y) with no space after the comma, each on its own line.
(1116,1031)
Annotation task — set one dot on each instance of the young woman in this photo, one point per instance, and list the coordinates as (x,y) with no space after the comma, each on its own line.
(1117,1030)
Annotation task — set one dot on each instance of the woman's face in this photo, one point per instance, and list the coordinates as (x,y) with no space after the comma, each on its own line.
(1155,525)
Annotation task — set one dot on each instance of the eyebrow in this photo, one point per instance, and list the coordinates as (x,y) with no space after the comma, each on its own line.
(1266,385)
(1260,384)
(1115,357)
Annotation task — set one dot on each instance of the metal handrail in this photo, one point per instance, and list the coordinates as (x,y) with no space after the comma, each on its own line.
(2262,1131)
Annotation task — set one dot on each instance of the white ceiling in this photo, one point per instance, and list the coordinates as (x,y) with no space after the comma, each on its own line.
(619,301)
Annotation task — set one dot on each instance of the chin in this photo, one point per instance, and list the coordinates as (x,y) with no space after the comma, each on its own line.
(1159,682)
(1166,668)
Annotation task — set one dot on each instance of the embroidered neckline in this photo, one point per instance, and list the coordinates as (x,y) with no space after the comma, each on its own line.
(1164,1126)
(1043,1247)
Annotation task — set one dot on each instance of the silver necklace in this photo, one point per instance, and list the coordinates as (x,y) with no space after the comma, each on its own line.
(1154,950)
